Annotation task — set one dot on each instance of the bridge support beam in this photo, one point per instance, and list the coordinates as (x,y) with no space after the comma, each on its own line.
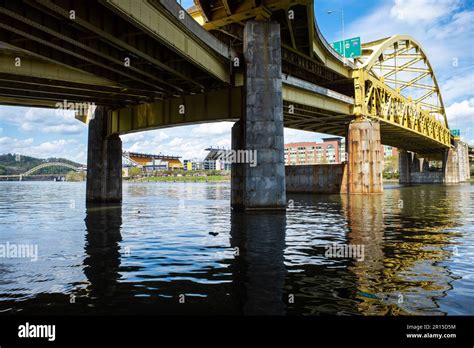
(104,161)
(261,129)
(365,160)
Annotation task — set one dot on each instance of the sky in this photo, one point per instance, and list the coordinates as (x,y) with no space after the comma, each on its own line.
(445,29)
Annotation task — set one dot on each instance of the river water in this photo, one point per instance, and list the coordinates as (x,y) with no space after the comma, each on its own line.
(177,248)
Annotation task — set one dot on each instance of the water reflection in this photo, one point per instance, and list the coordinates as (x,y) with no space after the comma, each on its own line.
(171,240)
(102,263)
(365,219)
(403,270)
(259,271)
(321,285)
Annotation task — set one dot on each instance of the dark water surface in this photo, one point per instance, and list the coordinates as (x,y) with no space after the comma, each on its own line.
(171,239)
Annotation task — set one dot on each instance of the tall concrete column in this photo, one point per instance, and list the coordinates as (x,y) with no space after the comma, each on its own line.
(467,171)
(451,166)
(404,166)
(463,158)
(365,160)
(425,168)
(104,161)
(261,129)
(237,172)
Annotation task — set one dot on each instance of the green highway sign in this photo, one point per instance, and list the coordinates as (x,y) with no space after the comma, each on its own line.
(455,133)
(353,47)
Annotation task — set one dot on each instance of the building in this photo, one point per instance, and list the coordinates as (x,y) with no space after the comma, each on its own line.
(330,150)
(206,165)
(150,162)
(215,159)
(389,151)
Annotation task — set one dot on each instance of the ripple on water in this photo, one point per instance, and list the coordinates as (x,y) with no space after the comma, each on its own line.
(167,239)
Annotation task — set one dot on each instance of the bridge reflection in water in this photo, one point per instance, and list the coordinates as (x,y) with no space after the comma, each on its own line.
(401,272)
(137,258)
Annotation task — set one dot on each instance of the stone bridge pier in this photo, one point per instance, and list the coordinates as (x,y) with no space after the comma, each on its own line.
(455,167)
(104,161)
(261,129)
(360,174)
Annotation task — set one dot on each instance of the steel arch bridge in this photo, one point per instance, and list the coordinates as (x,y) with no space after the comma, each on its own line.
(49,164)
(396,84)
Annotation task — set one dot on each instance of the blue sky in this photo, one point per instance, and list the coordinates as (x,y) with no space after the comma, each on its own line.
(445,28)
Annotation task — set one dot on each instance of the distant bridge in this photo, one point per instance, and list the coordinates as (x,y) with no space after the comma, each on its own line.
(33,170)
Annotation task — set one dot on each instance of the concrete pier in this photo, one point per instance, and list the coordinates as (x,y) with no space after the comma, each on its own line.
(365,160)
(415,170)
(104,161)
(261,129)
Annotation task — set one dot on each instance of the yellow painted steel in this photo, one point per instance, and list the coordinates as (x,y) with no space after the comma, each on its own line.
(414,105)
(248,9)
(376,100)
(31,66)
(398,106)
(156,23)
(27,102)
(221,105)
(411,107)
(222,14)
(296,95)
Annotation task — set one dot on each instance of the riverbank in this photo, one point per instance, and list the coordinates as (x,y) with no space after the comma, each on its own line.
(390,181)
(210,178)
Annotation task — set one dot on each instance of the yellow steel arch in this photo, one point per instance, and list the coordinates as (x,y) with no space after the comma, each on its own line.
(401,62)
(49,164)
(394,83)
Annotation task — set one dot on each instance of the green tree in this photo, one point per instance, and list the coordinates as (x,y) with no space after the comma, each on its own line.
(134,171)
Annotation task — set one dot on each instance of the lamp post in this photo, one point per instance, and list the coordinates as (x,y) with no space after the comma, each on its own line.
(343,40)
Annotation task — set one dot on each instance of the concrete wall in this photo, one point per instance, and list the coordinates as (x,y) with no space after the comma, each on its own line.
(318,178)
(427,178)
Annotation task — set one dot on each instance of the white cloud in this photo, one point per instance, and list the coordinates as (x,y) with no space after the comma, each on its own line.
(131,138)
(42,120)
(415,11)
(443,28)
(457,86)
(218,128)
(461,114)
(13,145)
(65,148)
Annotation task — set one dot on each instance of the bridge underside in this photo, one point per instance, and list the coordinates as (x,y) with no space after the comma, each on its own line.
(107,52)
(148,64)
